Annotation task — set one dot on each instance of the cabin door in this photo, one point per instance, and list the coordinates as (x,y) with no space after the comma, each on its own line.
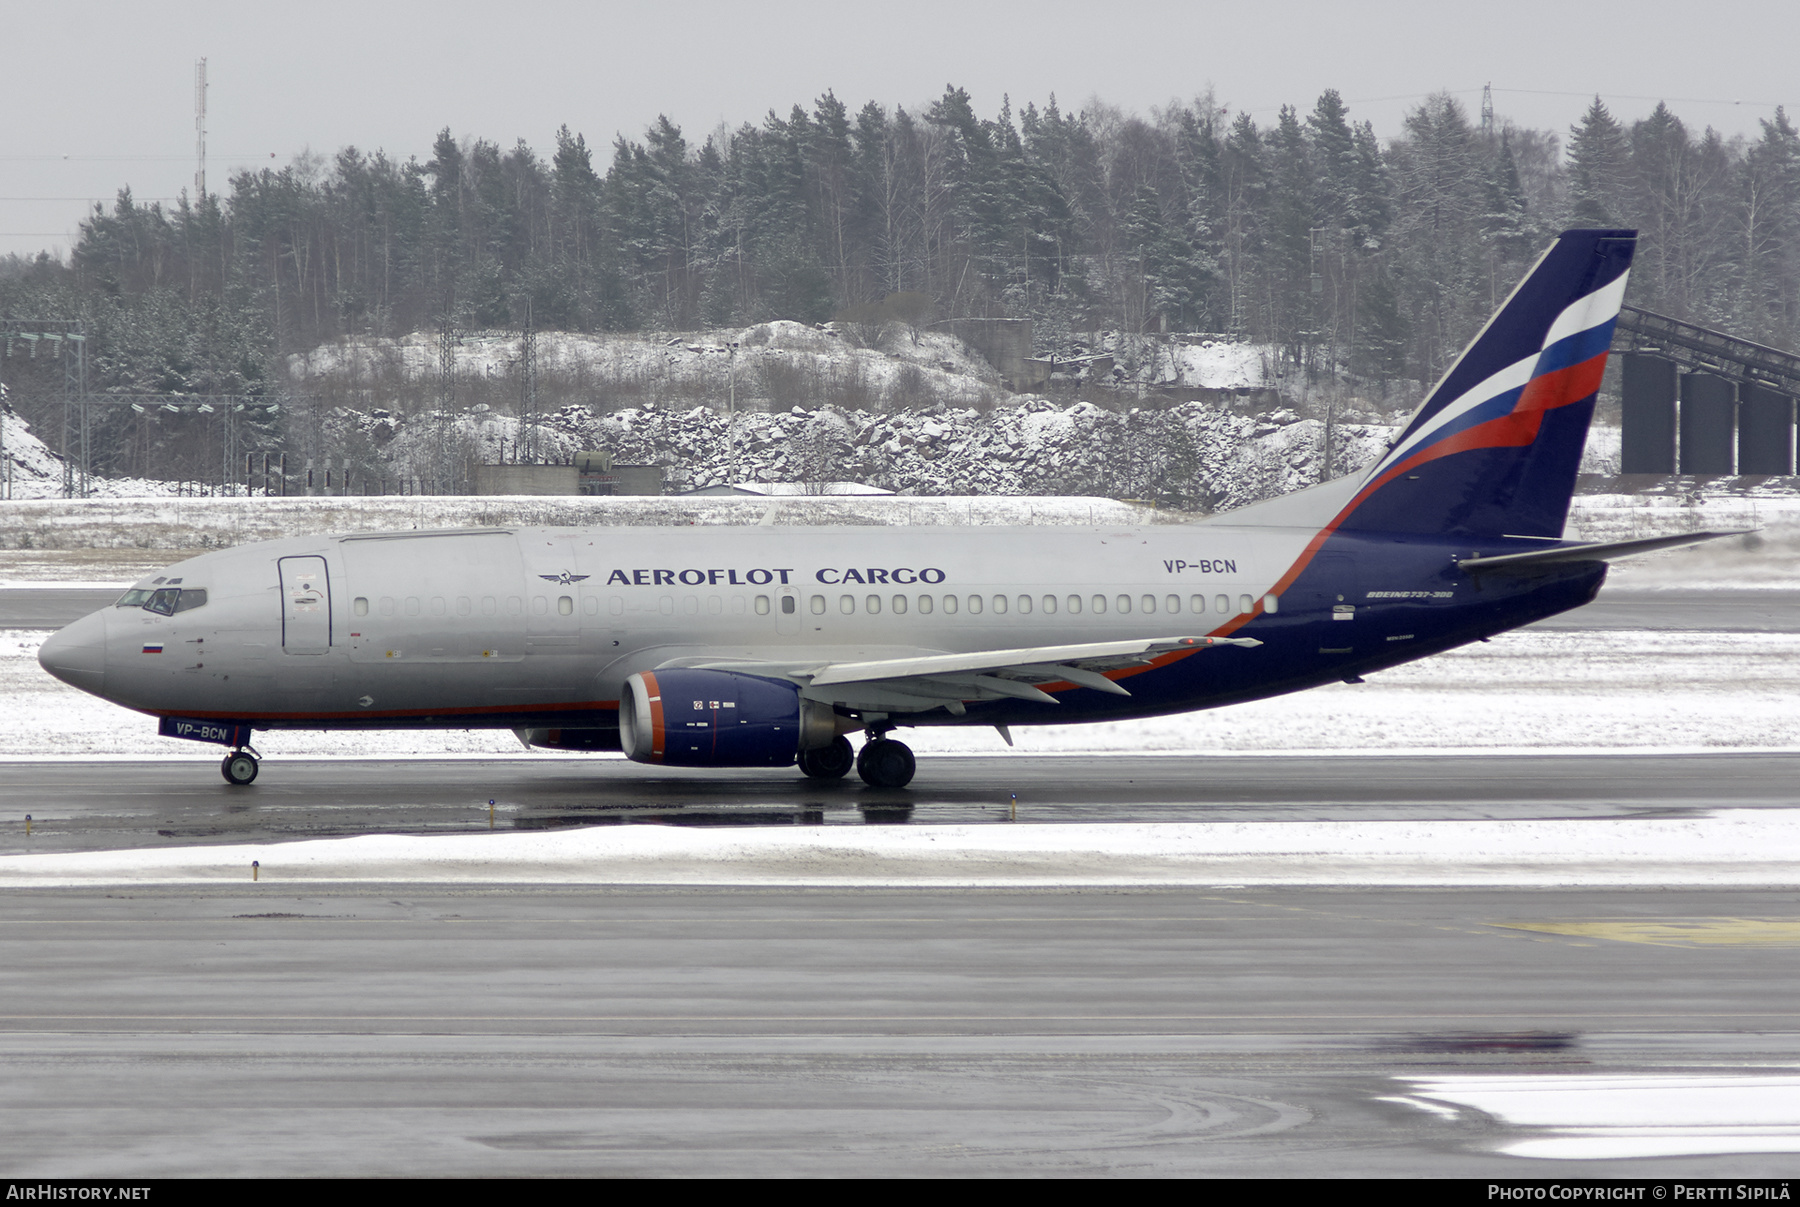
(305,606)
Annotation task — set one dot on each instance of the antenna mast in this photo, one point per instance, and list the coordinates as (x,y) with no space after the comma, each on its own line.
(199,131)
(1487,111)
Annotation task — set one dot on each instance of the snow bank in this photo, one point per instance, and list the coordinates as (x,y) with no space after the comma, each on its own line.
(1529,690)
(184,526)
(1737,848)
(1600,1116)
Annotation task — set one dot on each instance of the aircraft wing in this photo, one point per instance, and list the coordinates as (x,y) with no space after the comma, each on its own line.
(917,684)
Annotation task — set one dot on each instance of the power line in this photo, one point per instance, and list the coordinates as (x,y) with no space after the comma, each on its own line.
(1626,96)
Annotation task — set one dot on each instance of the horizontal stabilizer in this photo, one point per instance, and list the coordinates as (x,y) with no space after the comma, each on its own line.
(1595,552)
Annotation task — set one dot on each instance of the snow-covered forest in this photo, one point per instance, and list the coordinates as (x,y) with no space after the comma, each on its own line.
(1337,255)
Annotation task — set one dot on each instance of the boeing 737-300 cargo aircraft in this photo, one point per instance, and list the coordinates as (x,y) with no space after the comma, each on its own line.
(765,646)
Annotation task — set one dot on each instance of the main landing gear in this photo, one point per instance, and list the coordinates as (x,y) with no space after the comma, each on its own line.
(239,767)
(883,762)
(831,762)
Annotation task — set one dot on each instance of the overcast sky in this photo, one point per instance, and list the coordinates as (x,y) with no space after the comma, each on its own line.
(101,95)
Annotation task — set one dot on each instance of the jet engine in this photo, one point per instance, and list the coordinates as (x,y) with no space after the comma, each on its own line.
(701,718)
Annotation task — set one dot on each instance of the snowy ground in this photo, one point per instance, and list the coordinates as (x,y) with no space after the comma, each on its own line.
(1596,1116)
(29,528)
(1740,848)
(1527,691)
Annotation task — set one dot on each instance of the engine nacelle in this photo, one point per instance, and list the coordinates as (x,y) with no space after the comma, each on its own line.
(700,718)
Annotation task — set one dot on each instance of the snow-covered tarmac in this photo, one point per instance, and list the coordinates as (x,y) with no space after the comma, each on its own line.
(1732,848)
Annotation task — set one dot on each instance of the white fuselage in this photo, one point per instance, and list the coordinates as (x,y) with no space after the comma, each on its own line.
(409,627)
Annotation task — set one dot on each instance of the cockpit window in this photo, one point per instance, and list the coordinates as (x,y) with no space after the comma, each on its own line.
(164,602)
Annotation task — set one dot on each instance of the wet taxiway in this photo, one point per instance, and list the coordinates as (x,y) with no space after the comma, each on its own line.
(95,804)
(838,1032)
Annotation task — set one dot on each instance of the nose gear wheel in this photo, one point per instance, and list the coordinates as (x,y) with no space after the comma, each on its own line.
(239,768)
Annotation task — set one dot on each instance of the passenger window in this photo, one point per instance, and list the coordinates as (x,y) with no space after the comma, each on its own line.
(1024,605)
(762,605)
(1172,604)
(1074,602)
(360,606)
(565,606)
(1196,603)
(615,604)
(818,605)
(873,604)
(514,605)
(999,604)
(974,605)
(464,605)
(1099,604)
(715,605)
(489,605)
(438,607)
(1123,603)
(899,605)
(412,605)
(1246,604)
(789,605)
(1221,604)
(690,604)
(1271,604)
(590,604)
(1049,604)
(540,605)
(925,604)
(386,606)
(1147,605)
(950,605)
(666,605)
(847,604)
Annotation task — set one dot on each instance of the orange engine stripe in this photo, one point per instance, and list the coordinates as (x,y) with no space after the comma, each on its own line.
(656,716)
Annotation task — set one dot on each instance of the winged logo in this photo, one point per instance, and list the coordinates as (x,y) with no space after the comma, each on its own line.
(565,578)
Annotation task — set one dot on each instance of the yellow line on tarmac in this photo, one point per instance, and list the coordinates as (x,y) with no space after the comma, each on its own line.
(1675,932)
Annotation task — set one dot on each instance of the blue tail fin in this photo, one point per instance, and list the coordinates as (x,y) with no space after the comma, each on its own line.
(1494,449)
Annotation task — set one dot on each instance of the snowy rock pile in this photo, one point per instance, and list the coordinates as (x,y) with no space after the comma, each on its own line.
(777,364)
(1197,455)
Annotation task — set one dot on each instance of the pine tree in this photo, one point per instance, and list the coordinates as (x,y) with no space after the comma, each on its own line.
(1599,170)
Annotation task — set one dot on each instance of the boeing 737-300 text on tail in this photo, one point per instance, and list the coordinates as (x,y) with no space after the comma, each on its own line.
(765,646)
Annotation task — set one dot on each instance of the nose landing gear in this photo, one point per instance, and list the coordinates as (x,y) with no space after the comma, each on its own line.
(239,767)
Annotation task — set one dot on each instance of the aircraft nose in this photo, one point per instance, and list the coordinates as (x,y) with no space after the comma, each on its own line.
(77,654)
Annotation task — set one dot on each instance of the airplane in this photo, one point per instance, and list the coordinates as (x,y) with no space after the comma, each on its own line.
(765,646)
